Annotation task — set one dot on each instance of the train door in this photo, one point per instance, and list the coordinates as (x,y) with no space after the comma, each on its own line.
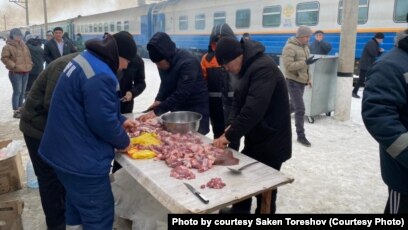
(153,22)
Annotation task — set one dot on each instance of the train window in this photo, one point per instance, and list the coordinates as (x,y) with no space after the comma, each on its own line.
(95,28)
(105,27)
(126,25)
(86,28)
(90,28)
(112,27)
(271,16)
(100,27)
(200,21)
(183,22)
(400,10)
(118,26)
(307,13)
(362,12)
(242,18)
(219,18)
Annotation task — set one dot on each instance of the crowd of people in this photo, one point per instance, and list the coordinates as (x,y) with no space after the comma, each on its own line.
(71,112)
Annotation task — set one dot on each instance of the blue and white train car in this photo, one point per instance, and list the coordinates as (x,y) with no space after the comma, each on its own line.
(272,22)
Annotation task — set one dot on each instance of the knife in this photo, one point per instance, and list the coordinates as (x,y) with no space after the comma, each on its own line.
(197,193)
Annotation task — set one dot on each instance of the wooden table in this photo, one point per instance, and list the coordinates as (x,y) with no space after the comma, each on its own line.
(154,176)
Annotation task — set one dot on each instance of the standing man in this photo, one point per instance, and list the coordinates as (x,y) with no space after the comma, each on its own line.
(182,87)
(37,57)
(84,126)
(17,59)
(385,115)
(132,84)
(33,119)
(49,35)
(218,81)
(296,61)
(371,51)
(319,46)
(57,46)
(260,109)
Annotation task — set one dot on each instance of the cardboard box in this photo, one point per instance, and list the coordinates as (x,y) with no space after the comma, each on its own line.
(11,172)
(10,215)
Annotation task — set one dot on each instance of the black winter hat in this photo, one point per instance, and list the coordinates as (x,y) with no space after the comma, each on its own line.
(379,35)
(227,50)
(126,45)
(155,54)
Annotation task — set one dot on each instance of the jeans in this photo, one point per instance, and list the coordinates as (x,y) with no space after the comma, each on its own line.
(296,102)
(19,83)
(52,193)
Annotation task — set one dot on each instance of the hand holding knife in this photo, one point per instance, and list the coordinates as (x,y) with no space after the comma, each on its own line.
(197,193)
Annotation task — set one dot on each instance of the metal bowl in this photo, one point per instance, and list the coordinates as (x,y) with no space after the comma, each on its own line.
(181,122)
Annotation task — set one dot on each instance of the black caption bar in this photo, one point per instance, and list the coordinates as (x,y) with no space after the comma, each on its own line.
(286,221)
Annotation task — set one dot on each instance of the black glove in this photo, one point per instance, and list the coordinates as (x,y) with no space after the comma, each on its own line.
(311,60)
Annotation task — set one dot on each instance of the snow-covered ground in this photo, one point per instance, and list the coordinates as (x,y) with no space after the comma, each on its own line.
(340,173)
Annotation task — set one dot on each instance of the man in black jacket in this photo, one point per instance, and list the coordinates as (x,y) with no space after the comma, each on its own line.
(57,46)
(260,109)
(132,84)
(371,51)
(182,86)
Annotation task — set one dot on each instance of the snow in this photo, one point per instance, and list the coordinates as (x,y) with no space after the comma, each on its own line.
(339,173)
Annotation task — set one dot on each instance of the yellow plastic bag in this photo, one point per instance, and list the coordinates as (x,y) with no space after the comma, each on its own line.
(142,154)
(146,139)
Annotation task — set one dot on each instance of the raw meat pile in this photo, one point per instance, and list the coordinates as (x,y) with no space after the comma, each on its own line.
(183,152)
(215,183)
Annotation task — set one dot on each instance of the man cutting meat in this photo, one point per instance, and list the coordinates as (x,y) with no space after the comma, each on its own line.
(260,110)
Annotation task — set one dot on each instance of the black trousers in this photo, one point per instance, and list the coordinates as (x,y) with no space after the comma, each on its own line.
(245,205)
(217,116)
(361,80)
(52,192)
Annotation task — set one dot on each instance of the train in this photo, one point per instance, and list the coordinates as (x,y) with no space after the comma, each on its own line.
(271,22)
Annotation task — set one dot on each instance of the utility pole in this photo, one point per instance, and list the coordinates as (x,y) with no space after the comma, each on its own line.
(45,16)
(25,7)
(5,23)
(345,70)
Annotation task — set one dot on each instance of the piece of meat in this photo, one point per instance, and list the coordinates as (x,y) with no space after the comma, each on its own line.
(225,158)
(215,183)
(182,172)
(182,150)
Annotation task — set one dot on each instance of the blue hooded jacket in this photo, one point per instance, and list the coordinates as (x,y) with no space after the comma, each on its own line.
(84,123)
(385,114)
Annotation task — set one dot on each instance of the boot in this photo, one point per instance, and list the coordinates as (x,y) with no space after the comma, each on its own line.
(355,95)
(17,114)
(304,141)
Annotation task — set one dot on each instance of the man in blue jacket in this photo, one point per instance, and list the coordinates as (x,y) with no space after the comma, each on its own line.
(385,115)
(84,127)
(182,86)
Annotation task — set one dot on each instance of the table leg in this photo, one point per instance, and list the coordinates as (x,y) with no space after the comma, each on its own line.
(266,202)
